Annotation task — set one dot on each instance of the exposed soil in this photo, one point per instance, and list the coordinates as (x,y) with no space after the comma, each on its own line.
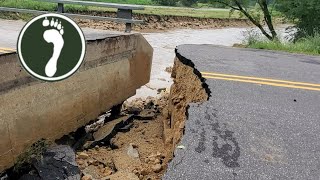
(154,23)
(138,142)
(139,153)
(144,151)
(188,87)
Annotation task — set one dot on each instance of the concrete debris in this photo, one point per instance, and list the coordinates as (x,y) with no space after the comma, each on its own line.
(83,155)
(99,123)
(103,135)
(181,147)
(86,177)
(161,90)
(150,104)
(4,177)
(157,168)
(146,114)
(132,151)
(126,128)
(58,162)
(168,69)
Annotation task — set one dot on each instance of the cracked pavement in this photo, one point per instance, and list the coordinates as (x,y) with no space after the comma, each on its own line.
(251,131)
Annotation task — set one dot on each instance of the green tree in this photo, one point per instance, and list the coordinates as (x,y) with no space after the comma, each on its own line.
(304,13)
(188,3)
(245,7)
(166,2)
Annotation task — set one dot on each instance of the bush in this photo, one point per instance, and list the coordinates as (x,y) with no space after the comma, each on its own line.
(165,2)
(304,13)
(306,45)
(188,3)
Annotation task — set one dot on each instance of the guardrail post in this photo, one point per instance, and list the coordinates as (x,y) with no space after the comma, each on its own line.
(60,8)
(127,14)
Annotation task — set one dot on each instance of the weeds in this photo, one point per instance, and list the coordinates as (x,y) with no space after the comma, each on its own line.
(308,45)
(34,152)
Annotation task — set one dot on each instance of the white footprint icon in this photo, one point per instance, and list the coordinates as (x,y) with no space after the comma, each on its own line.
(53,36)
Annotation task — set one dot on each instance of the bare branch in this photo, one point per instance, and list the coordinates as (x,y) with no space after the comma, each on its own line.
(227,4)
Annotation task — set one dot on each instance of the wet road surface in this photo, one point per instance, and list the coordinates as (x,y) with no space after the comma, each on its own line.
(261,121)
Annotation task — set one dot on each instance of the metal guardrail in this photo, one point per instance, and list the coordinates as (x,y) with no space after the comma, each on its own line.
(124,13)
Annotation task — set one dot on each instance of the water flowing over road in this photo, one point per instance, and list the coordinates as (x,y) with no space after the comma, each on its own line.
(164,44)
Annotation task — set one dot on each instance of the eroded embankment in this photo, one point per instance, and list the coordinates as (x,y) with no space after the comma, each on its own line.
(164,22)
(188,87)
(146,148)
(136,143)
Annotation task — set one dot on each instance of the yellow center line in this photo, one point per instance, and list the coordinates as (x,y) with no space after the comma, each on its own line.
(263,82)
(262,79)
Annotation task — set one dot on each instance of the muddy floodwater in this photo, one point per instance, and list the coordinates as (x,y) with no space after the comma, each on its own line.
(164,44)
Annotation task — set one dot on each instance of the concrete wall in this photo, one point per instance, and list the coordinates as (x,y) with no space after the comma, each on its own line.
(31,109)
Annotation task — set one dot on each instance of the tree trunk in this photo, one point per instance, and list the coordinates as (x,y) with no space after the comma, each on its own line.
(267,17)
(256,23)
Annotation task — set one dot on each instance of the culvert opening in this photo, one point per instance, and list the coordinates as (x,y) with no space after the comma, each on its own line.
(137,141)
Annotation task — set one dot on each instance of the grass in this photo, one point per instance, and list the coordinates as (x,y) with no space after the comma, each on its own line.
(139,2)
(180,11)
(309,45)
(173,11)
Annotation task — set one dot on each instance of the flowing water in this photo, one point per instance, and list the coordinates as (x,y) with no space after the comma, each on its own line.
(164,44)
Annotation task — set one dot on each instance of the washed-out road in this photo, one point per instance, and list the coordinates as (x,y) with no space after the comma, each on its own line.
(261,122)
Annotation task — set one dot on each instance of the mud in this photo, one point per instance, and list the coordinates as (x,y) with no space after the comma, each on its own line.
(154,23)
(143,151)
(142,138)
(188,87)
(136,152)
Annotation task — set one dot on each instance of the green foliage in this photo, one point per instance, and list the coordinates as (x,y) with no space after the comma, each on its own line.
(165,2)
(181,11)
(304,13)
(34,152)
(188,3)
(139,2)
(307,45)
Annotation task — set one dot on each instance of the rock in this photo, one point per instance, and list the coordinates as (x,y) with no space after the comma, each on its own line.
(157,168)
(160,90)
(157,161)
(92,171)
(126,128)
(80,162)
(83,155)
(146,114)
(133,110)
(58,162)
(121,175)
(152,159)
(140,177)
(86,177)
(107,131)
(107,171)
(132,152)
(144,171)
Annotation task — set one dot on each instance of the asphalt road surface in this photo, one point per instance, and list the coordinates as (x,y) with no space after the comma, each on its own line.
(262,121)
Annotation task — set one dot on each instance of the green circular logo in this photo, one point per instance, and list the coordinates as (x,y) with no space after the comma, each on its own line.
(51,47)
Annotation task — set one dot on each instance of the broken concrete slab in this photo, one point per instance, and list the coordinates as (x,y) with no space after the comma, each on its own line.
(58,162)
(146,114)
(107,131)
